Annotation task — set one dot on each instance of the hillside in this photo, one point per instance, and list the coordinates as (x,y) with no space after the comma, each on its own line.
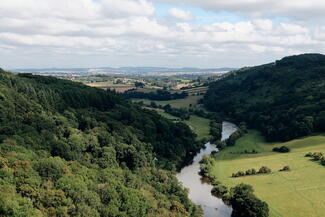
(71,150)
(284,100)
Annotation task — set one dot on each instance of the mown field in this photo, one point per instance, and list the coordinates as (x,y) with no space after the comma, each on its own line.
(297,193)
(177,103)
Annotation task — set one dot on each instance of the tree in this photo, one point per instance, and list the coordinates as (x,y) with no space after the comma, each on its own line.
(246,204)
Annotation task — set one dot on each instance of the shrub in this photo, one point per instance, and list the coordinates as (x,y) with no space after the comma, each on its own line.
(285,168)
(264,169)
(282,149)
(219,190)
(309,154)
(246,204)
(317,156)
(322,162)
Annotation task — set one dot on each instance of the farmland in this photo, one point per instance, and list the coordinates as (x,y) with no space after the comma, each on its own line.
(296,193)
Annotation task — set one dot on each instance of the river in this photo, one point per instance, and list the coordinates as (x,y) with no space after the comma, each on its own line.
(199,191)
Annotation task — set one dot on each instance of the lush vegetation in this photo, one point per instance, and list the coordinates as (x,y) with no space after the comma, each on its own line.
(302,186)
(215,131)
(71,150)
(246,204)
(284,100)
(282,149)
(188,102)
(160,95)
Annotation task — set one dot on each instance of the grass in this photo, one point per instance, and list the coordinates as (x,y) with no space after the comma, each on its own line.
(297,193)
(201,126)
(177,103)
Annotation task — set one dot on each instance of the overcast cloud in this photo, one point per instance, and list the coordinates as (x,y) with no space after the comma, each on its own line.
(90,33)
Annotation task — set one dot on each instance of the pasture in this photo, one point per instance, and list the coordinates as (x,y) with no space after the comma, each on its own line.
(296,193)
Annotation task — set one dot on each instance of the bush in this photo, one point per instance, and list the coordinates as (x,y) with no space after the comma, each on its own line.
(282,149)
(264,169)
(309,154)
(246,204)
(285,168)
(219,190)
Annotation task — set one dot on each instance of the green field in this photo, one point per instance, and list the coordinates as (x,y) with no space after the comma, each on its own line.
(297,193)
(200,126)
(177,103)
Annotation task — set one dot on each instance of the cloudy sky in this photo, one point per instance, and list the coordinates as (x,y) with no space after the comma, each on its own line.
(175,33)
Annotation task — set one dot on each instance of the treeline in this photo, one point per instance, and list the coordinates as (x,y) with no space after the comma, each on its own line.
(231,141)
(241,197)
(161,95)
(284,100)
(215,131)
(182,113)
(71,150)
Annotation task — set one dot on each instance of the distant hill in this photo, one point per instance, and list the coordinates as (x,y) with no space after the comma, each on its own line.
(126,71)
(67,149)
(284,99)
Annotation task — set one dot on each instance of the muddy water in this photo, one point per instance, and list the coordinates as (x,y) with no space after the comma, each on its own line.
(199,191)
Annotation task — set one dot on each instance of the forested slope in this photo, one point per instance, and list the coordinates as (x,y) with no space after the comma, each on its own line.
(284,100)
(71,150)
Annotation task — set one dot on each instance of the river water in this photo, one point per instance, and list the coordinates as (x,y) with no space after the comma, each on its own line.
(199,191)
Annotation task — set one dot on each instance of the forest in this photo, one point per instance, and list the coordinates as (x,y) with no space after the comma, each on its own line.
(161,95)
(284,99)
(67,149)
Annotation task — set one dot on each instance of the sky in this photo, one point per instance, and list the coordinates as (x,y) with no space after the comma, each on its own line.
(170,33)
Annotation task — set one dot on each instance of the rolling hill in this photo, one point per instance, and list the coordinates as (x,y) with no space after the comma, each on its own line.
(284,99)
(67,149)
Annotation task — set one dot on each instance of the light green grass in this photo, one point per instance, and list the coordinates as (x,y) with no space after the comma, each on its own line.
(177,103)
(297,193)
(201,126)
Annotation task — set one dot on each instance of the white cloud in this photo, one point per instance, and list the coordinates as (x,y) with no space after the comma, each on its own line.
(127,32)
(180,14)
(300,9)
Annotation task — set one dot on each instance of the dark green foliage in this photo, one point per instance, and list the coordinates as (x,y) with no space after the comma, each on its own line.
(161,95)
(246,204)
(219,190)
(233,137)
(284,100)
(282,149)
(71,150)
(215,131)
(182,113)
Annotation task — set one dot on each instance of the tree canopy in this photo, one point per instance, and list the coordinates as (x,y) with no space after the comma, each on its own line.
(284,100)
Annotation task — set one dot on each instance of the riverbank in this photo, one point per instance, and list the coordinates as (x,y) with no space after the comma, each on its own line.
(200,191)
(302,186)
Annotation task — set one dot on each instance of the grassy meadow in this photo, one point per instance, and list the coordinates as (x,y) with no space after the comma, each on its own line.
(296,193)
(200,126)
